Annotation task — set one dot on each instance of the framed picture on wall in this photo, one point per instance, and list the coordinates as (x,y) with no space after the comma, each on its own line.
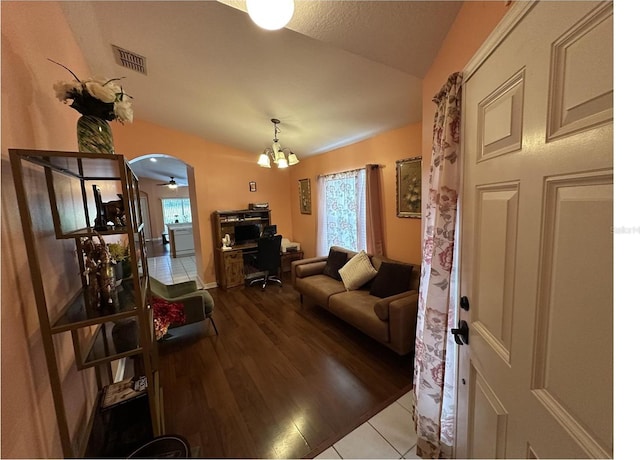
(304,190)
(409,187)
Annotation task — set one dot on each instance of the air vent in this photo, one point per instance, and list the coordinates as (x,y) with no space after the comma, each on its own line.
(130,60)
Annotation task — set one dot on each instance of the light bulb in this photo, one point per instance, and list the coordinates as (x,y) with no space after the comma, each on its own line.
(270,14)
(264,161)
(282,163)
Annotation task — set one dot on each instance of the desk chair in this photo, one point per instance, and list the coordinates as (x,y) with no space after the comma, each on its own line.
(198,303)
(268,260)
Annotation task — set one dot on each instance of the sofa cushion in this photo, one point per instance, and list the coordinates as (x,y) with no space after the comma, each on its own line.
(335,261)
(319,288)
(356,308)
(357,271)
(391,279)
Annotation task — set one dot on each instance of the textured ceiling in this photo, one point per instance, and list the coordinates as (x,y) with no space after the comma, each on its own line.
(341,72)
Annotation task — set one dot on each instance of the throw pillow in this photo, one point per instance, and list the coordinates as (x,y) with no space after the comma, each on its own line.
(335,261)
(357,271)
(392,279)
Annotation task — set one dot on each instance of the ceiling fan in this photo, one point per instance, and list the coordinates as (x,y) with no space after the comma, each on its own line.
(172,184)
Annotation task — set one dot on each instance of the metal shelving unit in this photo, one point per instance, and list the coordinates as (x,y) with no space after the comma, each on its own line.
(72,174)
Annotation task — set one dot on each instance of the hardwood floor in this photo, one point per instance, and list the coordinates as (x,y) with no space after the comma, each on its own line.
(155,248)
(278,382)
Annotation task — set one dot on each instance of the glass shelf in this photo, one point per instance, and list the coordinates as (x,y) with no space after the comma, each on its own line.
(79,314)
(90,166)
(89,232)
(103,349)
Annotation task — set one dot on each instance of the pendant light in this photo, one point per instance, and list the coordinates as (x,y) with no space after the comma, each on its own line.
(276,152)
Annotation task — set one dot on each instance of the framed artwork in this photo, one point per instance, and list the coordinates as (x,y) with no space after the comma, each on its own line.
(409,187)
(304,190)
(252,186)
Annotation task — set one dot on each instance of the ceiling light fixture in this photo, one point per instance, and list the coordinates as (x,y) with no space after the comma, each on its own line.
(172,184)
(276,152)
(270,14)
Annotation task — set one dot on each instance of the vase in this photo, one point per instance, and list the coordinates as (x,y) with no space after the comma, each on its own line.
(126,268)
(118,272)
(125,335)
(94,135)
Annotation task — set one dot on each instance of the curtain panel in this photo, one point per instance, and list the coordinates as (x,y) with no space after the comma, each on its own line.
(435,363)
(342,211)
(374,226)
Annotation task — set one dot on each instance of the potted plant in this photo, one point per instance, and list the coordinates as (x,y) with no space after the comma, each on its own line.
(120,258)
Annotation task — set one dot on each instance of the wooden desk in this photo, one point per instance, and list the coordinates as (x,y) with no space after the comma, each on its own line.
(231,274)
(287,257)
(230,269)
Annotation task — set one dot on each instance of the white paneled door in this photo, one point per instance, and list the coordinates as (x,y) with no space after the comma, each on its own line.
(536,379)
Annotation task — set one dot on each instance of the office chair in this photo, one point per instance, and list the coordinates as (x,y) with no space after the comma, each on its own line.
(268,260)
(198,303)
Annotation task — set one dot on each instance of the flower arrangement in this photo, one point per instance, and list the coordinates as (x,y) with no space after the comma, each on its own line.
(165,314)
(119,251)
(96,97)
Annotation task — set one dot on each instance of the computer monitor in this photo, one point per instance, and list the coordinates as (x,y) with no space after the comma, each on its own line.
(244,234)
(269,230)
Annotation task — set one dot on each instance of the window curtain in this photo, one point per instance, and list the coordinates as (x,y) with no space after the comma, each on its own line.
(375,237)
(342,211)
(435,355)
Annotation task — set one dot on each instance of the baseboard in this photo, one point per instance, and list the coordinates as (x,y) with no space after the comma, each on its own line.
(207,285)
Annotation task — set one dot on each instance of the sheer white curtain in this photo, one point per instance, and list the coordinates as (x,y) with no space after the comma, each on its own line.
(342,217)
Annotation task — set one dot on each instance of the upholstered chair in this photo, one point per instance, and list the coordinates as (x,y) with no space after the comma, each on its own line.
(198,303)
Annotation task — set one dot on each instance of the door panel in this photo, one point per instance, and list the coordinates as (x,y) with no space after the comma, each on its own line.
(536,380)
(489,420)
(577,277)
(495,237)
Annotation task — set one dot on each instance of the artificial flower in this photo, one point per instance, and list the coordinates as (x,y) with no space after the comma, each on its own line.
(97,97)
(165,314)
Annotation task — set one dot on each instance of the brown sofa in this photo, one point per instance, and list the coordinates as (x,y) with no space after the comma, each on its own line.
(390,320)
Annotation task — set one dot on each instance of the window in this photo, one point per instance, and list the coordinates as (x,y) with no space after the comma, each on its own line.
(341,211)
(176,210)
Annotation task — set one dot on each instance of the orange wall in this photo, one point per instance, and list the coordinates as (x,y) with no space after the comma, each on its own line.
(401,235)
(472,26)
(221,179)
(33,118)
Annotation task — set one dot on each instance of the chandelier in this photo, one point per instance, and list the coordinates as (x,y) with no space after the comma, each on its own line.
(276,153)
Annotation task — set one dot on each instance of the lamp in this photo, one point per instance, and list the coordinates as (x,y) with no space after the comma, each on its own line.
(276,153)
(270,14)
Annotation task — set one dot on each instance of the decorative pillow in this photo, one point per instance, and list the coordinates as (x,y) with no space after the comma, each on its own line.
(392,279)
(335,261)
(357,271)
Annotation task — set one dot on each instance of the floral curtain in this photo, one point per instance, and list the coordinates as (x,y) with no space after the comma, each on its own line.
(435,363)
(342,211)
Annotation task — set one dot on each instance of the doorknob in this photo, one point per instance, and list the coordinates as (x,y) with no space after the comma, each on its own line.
(461,333)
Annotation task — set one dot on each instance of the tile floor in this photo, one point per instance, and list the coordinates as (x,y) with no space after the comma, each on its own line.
(388,434)
(168,270)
